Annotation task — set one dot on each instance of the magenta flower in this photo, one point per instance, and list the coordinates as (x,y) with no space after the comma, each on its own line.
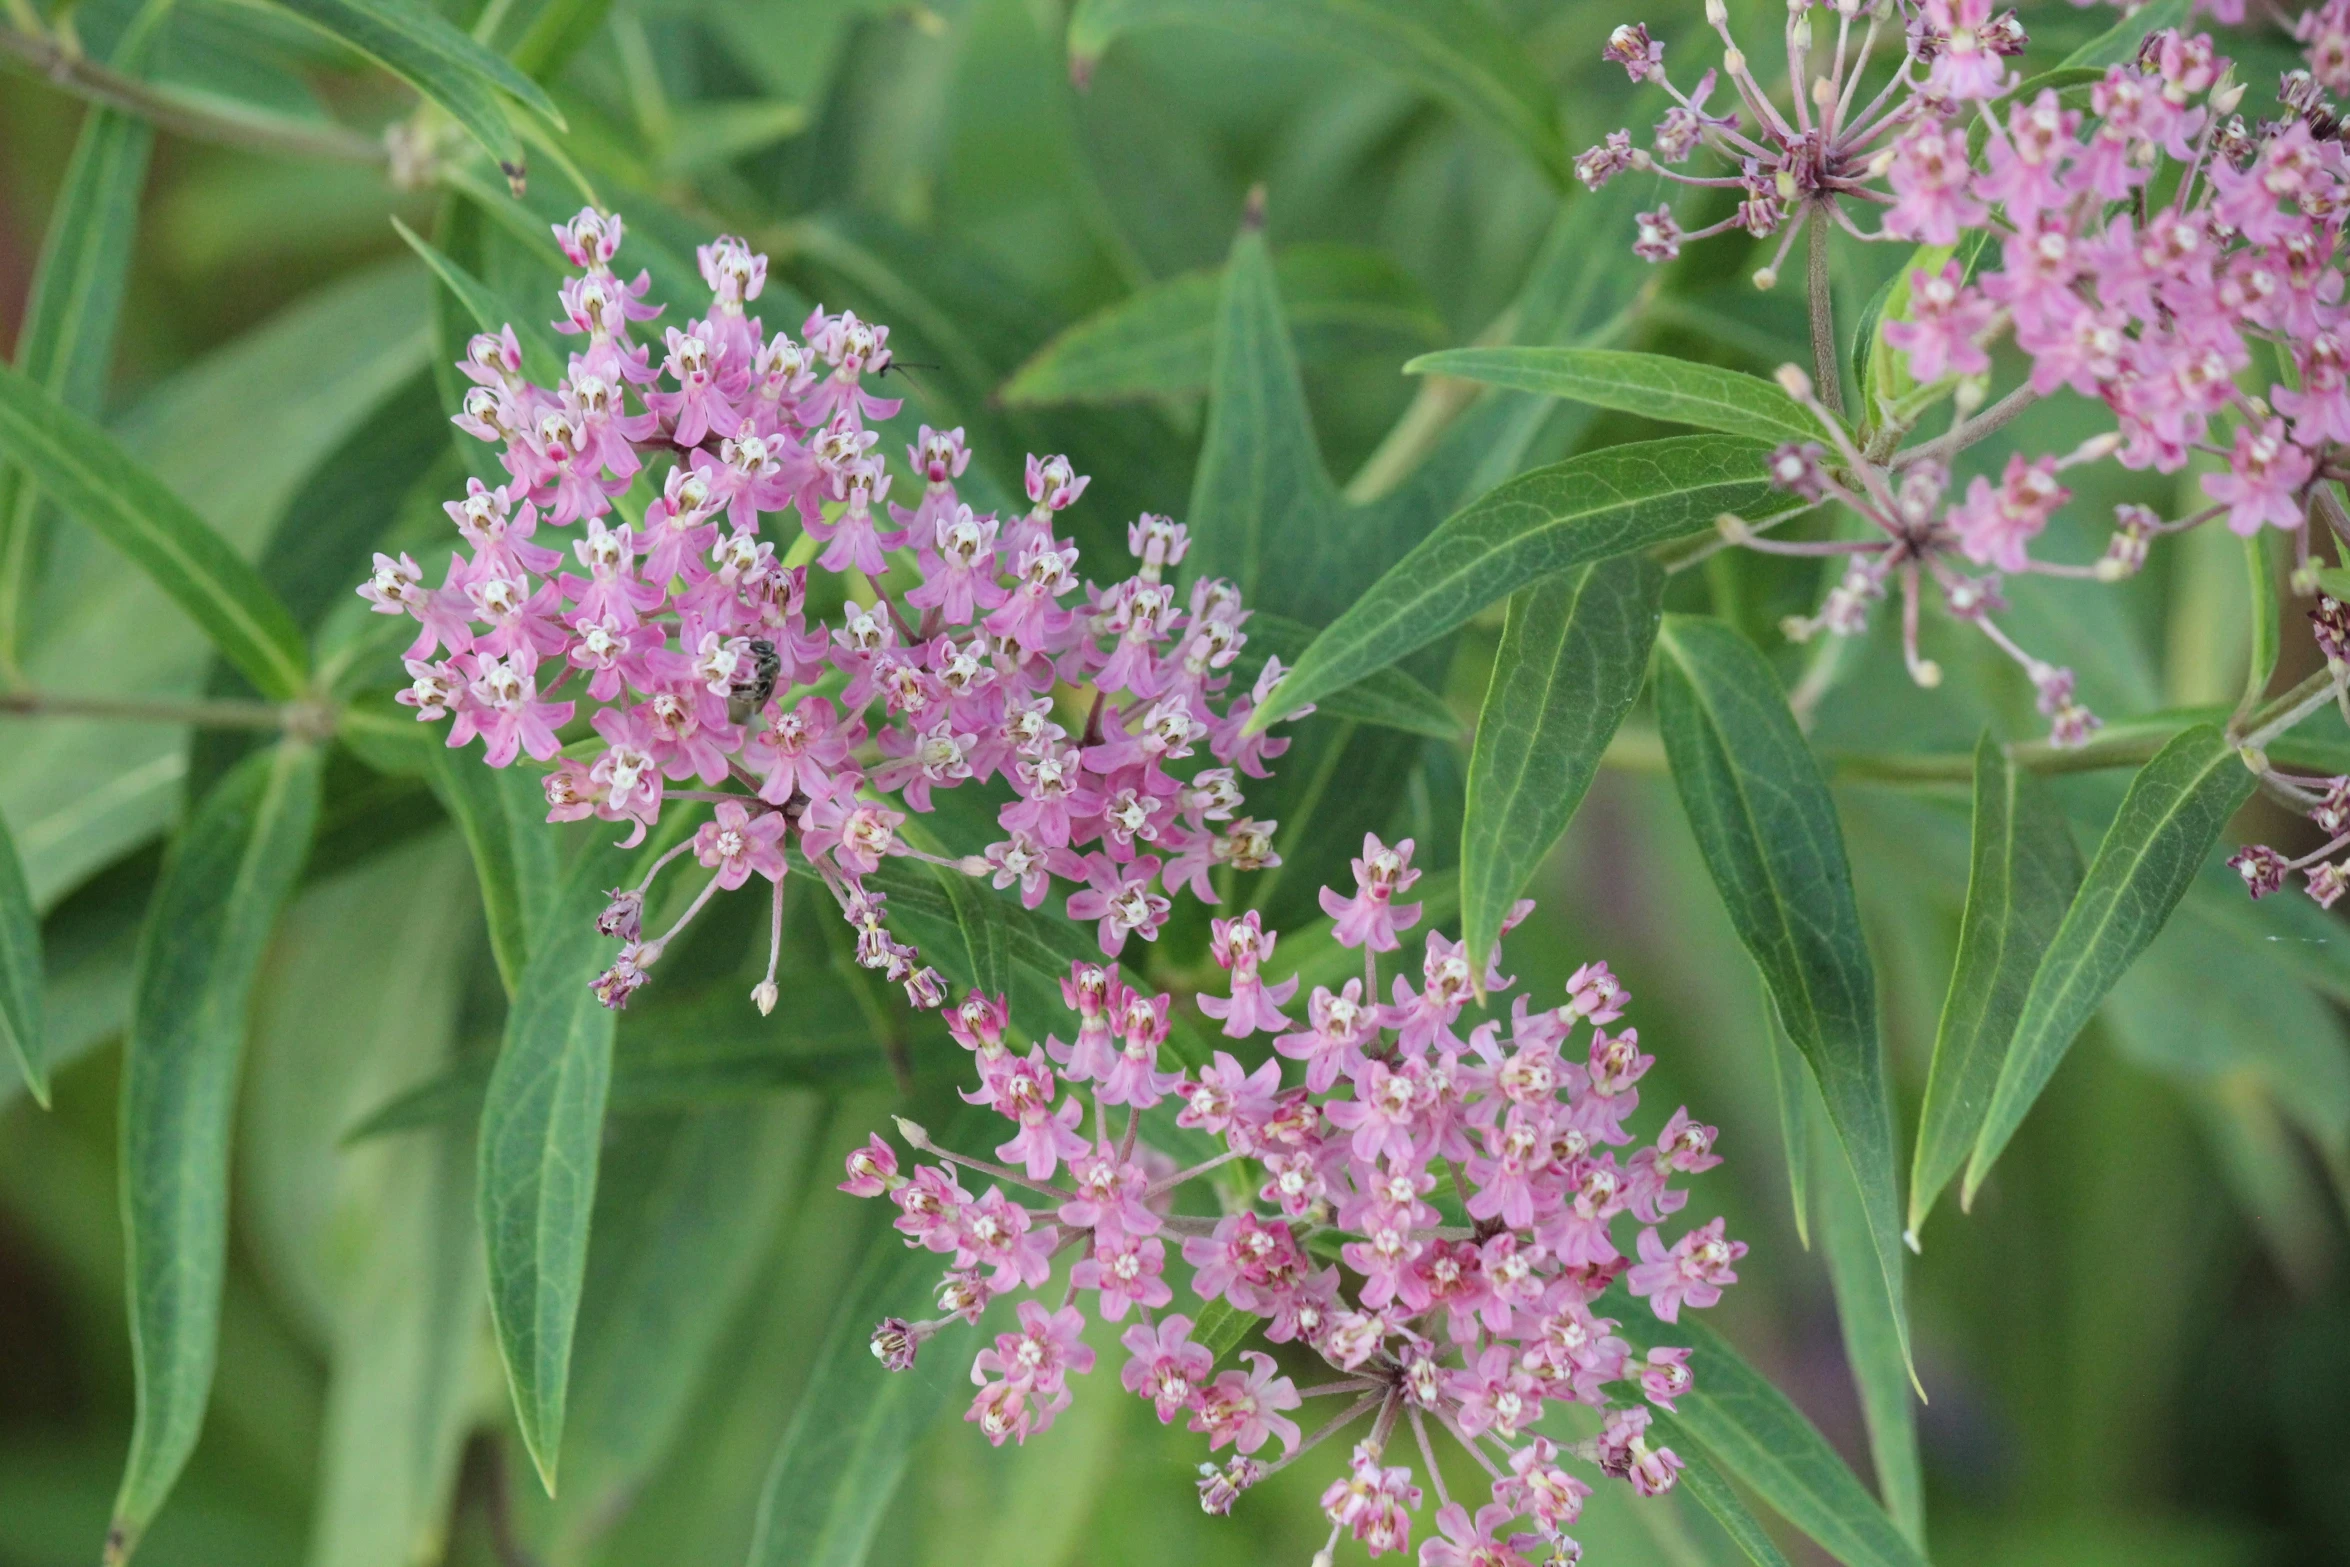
(1694,1272)
(738,844)
(1165,1366)
(1371,916)
(2265,474)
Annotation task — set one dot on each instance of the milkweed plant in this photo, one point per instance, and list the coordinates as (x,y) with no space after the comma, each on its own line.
(792,633)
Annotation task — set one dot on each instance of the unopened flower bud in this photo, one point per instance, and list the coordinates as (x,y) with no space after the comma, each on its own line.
(1766,278)
(912,1132)
(2303,581)
(623,916)
(764,996)
(1795,383)
(1926,673)
(1971,391)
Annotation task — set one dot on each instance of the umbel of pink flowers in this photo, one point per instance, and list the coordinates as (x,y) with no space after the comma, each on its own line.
(2147,249)
(969,650)
(1427,1214)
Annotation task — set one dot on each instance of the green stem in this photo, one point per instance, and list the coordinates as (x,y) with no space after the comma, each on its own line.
(297,716)
(72,72)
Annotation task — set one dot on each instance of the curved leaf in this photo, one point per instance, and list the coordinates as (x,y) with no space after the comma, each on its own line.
(83,469)
(1453,49)
(857,1425)
(2118,44)
(1751,1430)
(1759,808)
(488,311)
(542,1127)
(66,341)
(1388,697)
(430,54)
(24,994)
(2173,814)
(2026,870)
(502,813)
(1870,1324)
(1161,340)
(227,875)
(1678,391)
(1574,654)
(1717,1496)
(1537,525)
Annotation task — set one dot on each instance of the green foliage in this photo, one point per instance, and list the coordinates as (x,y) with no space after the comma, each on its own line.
(542,1127)
(2174,812)
(1655,386)
(106,489)
(24,1001)
(1760,810)
(220,892)
(2026,870)
(1573,656)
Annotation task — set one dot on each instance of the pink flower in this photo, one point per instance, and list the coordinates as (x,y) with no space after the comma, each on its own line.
(2266,471)
(1479,1544)
(1371,915)
(1693,1272)
(1995,525)
(1165,1366)
(1244,1407)
(873,1170)
(1119,896)
(1946,315)
(738,843)
(1666,1377)
(1126,1270)
(1930,176)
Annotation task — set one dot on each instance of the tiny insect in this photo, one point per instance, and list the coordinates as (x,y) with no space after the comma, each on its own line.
(750,692)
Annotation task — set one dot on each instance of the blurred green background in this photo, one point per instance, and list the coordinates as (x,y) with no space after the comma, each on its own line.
(2137,1347)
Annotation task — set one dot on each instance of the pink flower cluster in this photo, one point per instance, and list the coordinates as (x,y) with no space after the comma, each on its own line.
(2151,250)
(1428,1215)
(967,649)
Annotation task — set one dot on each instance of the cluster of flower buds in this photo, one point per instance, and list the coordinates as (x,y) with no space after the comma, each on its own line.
(967,649)
(2144,248)
(1428,1215)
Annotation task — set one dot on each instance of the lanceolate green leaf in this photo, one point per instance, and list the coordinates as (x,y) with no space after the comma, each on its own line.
(81,467)
(1574,654)
(1716,1495)
(1454,49)
(2260,580)
(1873,1348)
(24,1001)
(222,885)
(489,313)
(1751,1430)
(502,813)
(1678,391)
(1388,697)
(2119,43)
(1537,525)
(1161,341)
(1766,826)
(66,342)
(2026,870)
(979,913)
(542,1126)
(857,1424)
(2173,814)
(417,44)
(1260,502)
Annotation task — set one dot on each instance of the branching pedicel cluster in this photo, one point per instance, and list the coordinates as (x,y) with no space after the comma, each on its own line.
(691,643)
(1464,1325)
(2137,254)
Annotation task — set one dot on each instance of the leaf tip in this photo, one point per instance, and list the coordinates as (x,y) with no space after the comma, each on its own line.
(1909,1238)
(517,177)
(120,1537)
(1081,66)
(1252,211)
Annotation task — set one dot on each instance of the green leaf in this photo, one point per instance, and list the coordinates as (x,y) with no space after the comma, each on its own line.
(1574,654)
(1678,391)
(24,995)
(2118,44)
(1873,1347)
(502,813)
(82,468)
(1221,1327)
(227,875)
(1716,1495)
(490,313)
(1389,697)
(685,1216)
(1161,341)
(2025,872)
(2173,814)
(1792,1089)
(431,55)
(1452,49)
(1260,502)
(1751,1430)
(857,1425)
(1537,525)
(979,914)
(1759,808)
(542,1126)
(66,341)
